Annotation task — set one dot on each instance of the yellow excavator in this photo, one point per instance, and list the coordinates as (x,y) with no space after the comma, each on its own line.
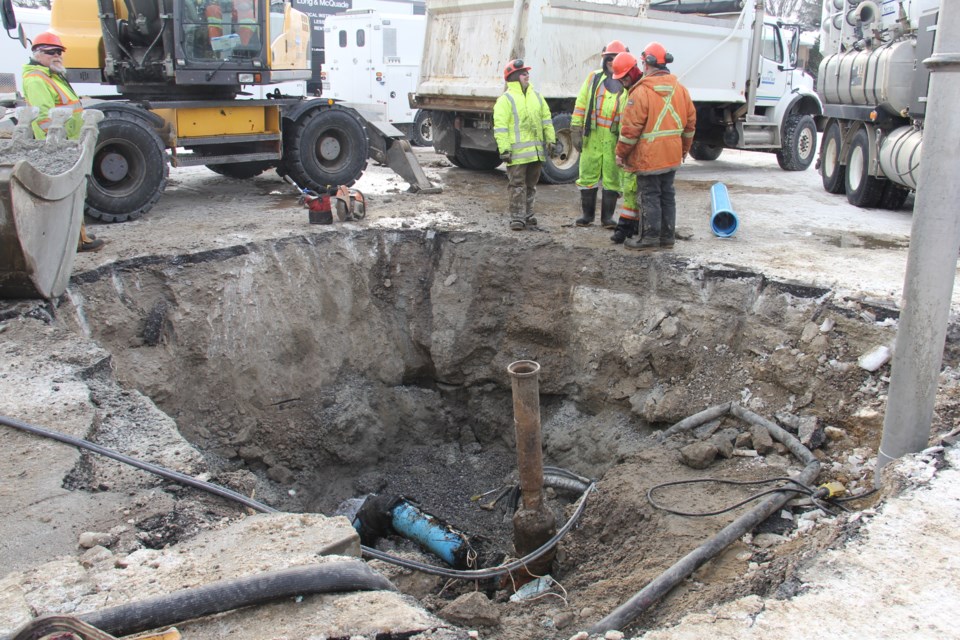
(180,69)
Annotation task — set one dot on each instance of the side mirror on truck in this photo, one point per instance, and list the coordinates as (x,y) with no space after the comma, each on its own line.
(9,17)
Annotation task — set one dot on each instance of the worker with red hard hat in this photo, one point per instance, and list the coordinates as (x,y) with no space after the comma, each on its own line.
(45,86)
(523,129)
(594,127)
(656,133)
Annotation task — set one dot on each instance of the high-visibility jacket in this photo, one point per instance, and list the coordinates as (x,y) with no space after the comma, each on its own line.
(657,125)
(45,90)
(597,114)
(522,124)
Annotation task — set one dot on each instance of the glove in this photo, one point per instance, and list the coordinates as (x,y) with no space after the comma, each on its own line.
(506,156)
(576,137)
(551,148)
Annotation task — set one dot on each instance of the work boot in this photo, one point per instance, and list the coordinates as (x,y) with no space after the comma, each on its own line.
(531,221)
(588,205)
(608,207)
(642,243)
(625,229)
(517,225)
(90,245)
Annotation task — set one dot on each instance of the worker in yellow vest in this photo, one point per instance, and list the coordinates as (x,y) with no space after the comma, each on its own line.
(45,86)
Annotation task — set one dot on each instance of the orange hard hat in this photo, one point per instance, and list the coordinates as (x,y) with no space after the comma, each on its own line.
(47,39)
(622,64)
(513,66)
(614,47)
(654,53)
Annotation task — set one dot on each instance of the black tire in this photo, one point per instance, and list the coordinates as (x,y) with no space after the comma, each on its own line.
(705,152)
(241,170)
(326,147)
(421,134)
(832,172)
(455,161)
(478,159)
(565,166)
(130,168)
(894,196)
(863,190)
(799,143)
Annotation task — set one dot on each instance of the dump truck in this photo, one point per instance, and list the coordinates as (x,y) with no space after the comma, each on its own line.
(180,68)
(739,66)
(874,89)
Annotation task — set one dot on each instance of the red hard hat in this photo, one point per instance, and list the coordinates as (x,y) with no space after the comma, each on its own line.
(47,39)
(614,47)
(655,53)
(622,64)
(513,66)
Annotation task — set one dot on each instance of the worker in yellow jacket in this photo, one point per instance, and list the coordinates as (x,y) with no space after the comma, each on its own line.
(523,129)
(594,128)
(45,86)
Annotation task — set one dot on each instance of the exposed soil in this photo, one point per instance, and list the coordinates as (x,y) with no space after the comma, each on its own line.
(308,364)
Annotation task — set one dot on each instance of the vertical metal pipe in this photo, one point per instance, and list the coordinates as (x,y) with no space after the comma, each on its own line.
(932,261)
(524,378)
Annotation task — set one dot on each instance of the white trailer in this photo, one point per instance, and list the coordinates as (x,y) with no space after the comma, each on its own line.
(373,64)
(874,89)
(740,70)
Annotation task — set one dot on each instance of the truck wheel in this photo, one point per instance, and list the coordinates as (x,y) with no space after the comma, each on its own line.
(422,133)
(565,167)
(832,173)
(894,196)
(129,168)
(241,170)
(799,143)
(705,152)
(863,190)
(455,161)
(478,159)
(327,147)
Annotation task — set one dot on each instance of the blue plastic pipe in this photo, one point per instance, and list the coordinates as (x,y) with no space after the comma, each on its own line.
(723,220)
(430,533)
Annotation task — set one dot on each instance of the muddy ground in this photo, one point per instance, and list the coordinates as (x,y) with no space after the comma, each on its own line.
(307,364)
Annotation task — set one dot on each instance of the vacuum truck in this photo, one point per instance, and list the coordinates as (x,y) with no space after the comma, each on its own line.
(181,70)
(739,65)
(874,90)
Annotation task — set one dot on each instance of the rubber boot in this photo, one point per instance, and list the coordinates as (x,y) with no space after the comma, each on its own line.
(588,205)
(626,228)
(608,207)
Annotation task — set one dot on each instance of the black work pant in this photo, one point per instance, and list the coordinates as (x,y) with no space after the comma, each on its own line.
(658,202)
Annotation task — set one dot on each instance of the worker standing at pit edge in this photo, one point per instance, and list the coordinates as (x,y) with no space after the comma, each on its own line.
(45,86)
(656,133)
(594,128)
(523,129)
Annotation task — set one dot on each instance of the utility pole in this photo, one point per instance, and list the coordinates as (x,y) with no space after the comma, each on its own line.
(932,260)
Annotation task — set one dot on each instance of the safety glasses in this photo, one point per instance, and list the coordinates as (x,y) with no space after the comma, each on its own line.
(50,52)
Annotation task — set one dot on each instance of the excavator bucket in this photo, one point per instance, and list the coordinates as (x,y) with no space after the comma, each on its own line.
(43,184)
(389,147)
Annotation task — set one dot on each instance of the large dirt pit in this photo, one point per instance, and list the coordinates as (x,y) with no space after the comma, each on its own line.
(309,370)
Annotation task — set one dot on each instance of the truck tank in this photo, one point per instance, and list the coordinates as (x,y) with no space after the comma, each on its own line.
(882,76)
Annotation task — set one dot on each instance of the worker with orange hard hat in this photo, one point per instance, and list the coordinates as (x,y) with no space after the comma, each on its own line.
(594,127)
(523,129)
(656,133)
(45,86)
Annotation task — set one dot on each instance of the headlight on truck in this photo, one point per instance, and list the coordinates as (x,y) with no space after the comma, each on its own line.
(245,78)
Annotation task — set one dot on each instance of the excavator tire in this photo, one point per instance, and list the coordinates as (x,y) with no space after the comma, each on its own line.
(130,168)
(325,147)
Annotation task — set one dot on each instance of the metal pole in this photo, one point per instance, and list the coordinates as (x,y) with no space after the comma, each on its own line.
(932,261)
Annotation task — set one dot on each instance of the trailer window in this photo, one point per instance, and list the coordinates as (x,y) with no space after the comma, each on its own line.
(772,47)
(343,39)
(361,37)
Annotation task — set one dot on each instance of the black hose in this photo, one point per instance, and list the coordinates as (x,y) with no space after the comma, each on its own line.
(662,584)
(145,466)
(225,595)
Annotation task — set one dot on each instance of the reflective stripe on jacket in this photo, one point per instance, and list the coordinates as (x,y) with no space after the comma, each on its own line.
(602,108)
(522,124)
(46,90)
(657,125)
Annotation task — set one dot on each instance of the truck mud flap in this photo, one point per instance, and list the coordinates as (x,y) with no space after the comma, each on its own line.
(387,146)
(41,207)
